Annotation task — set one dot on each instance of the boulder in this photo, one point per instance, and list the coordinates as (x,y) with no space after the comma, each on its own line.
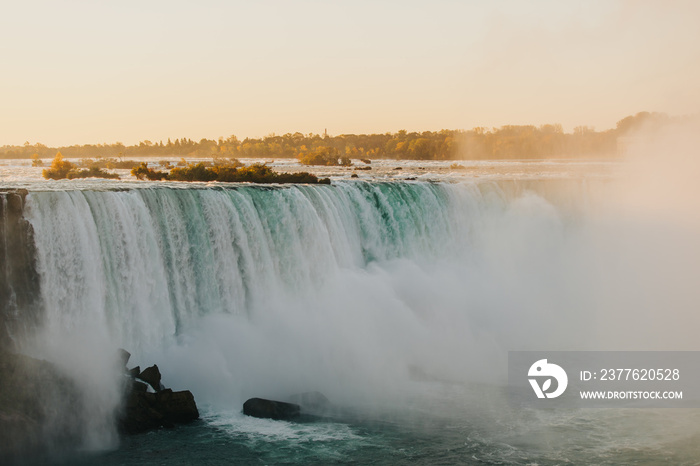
(151,375)
(177,406)
(137,386)
(139,414)
(145,411)
(270,409)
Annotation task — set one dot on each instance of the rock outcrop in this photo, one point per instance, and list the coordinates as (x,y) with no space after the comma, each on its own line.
(146,409)
(151,375)
(42,411)
(19,280)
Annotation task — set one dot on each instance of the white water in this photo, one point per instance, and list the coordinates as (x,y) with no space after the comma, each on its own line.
(360,290)
(349,289)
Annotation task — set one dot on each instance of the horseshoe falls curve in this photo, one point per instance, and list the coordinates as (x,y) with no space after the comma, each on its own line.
(355,264)
(397,299)
(148,263)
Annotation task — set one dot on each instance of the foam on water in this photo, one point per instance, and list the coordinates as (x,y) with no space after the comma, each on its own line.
(378,294)
(266,430)
(350,289)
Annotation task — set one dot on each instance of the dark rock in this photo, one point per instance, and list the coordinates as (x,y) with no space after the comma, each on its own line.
(14,202)
(137,386)
(133,373)
(151,375)
(20,305)
(140,413)
(177,406)
(145,411)
(270,409)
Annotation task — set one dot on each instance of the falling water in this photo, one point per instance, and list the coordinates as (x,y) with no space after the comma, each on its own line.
(371,292)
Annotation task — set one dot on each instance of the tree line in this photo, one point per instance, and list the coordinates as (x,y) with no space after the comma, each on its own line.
(505,142)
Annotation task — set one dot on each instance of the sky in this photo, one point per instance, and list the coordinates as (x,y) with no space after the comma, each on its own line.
(79,72)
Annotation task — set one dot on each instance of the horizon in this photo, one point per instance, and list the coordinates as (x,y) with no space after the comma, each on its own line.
(330,135)
(88,73)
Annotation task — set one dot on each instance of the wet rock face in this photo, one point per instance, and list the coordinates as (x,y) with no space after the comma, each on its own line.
(177,407)
(19,280)
(38,407)
(43,411)
(146,409)
(151,375)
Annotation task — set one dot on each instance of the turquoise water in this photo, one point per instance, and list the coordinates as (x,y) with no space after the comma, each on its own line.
(397,300)
(474,433)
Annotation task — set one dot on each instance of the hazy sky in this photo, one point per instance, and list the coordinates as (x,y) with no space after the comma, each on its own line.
(105,71)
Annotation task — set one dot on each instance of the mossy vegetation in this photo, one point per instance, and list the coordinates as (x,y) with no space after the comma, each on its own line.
(61,169)
(143,172)
(324,155)
(230,173)
(108,162)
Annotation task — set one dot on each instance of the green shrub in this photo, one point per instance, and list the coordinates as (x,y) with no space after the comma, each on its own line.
(92,172)
(192,172)
(142,171)
(324,156)
(61,169)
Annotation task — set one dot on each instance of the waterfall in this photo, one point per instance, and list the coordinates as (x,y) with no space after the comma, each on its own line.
(145,263)
(352,289)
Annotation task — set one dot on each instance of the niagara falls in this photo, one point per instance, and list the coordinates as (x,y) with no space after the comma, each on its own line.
(311,233)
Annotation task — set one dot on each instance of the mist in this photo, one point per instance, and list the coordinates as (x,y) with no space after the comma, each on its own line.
(531,269)
(374,294)
(646,244)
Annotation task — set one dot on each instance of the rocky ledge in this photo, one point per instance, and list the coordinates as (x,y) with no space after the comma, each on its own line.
(42,410)
(149,405)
